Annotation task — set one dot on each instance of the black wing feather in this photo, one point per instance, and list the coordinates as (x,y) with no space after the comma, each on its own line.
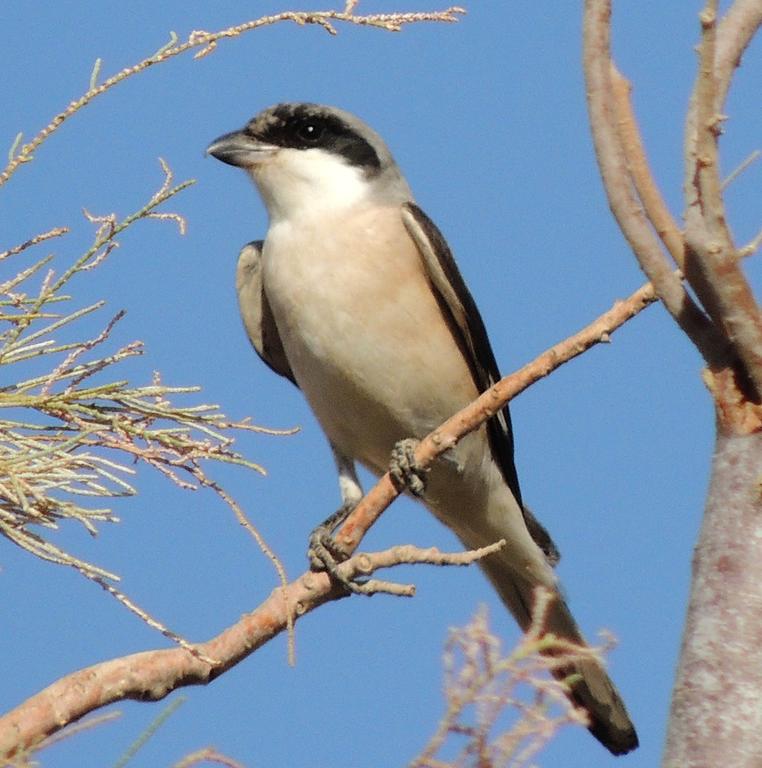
(471,335)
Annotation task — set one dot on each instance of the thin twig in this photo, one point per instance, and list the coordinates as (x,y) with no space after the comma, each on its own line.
(153,726)
(208,755)
(57,232)
(740,168)
(51,471)
(482,684)
(84,725)
(751,247)
(205,43)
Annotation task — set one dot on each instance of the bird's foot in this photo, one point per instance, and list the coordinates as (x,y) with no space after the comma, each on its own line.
(407,474)
(326,555)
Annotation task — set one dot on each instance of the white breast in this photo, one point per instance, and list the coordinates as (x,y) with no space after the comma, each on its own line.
(363,333)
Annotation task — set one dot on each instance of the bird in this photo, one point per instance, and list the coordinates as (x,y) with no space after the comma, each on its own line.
(355,297)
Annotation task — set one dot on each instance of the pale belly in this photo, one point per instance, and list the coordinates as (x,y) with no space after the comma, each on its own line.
(364,335)
(371,350)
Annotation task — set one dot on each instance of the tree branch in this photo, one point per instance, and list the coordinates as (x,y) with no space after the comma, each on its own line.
(718,679)
(712,262)
(622,200)
(205,43)
(151,675)
(736,31)
(637,165)
(488,404)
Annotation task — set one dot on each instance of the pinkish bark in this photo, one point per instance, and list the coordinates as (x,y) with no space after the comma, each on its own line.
(716,717)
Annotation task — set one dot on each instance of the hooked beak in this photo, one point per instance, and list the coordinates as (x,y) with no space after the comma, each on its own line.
(240,149)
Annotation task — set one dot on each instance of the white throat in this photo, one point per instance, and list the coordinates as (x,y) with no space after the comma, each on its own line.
(303,183)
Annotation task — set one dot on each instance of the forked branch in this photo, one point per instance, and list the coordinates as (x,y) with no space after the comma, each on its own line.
(713,264)
(726,327)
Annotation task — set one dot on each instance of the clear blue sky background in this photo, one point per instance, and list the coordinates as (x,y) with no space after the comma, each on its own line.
(487,118)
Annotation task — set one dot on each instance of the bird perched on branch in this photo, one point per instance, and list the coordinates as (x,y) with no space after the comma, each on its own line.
(355,297)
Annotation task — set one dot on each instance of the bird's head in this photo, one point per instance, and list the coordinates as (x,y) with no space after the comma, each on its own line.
(307,158)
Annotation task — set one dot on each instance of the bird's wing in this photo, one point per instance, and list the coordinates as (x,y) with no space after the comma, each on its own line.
(264,337)
(471,335)
(256,313)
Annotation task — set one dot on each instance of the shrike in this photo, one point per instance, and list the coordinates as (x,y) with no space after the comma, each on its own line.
(355,297)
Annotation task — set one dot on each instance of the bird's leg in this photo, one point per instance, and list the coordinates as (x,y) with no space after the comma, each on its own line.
(324,553)
(407,474)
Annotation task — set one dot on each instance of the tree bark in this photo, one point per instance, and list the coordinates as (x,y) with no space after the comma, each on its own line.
(716,718)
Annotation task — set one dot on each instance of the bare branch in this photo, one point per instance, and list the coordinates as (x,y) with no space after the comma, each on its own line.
(410,555)
(57,232)
(445,437)
(751,247)
(77,728)
(482,685)
(149,731)
(624,205)
(151,675)
(712,261)
(207,755)
(207,42)
(705,167)
(637,164)
(736,31)
(740,168)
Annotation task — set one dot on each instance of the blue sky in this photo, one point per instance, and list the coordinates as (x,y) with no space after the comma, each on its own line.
(487,119)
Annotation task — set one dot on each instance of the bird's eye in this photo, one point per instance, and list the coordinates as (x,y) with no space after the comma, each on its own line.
(310,132)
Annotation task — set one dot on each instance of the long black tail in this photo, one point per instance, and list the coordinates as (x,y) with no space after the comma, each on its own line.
(594,690)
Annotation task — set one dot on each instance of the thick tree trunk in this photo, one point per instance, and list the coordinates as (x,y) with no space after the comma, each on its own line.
(716,717)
